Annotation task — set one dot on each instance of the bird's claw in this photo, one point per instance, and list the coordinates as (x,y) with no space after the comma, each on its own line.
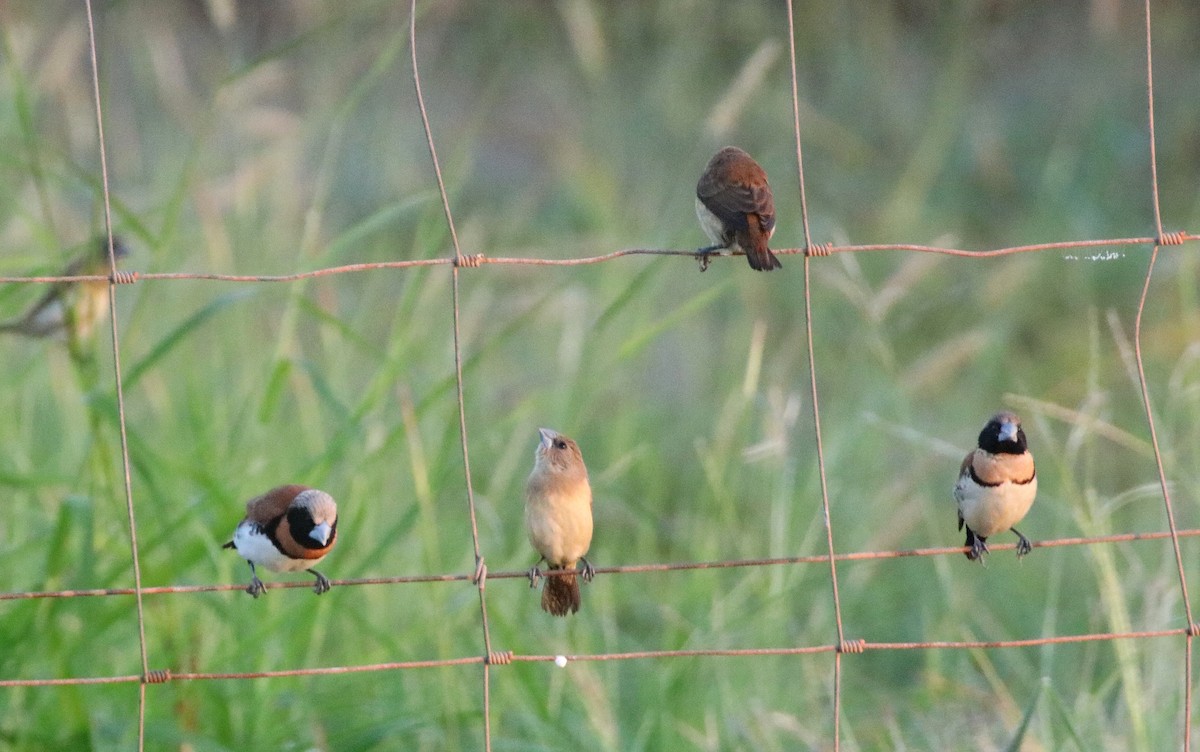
(323,584)
(1023,545)
(256,587)
(978,549)
(588,571)
(534,575)
(703,255)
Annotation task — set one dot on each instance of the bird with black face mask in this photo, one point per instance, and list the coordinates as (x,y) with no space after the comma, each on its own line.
(558,519)
(72,309)
(996,485)
(735,207)
(287,529)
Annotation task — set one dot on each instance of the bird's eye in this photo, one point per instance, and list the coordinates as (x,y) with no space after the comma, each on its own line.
(560,444)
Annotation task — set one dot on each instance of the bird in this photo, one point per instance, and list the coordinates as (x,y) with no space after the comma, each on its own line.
(72,309)
(996,485)
(735,207)
(287,529)
(558,520)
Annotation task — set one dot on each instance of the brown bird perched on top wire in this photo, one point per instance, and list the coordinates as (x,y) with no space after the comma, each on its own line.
(72,309)
(558,519)
(996,485)
(735,207)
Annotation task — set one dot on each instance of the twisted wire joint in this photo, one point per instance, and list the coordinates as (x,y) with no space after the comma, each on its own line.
(470,262)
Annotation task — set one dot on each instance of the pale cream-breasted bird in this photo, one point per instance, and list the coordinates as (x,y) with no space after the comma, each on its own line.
(735,206)
(558,519)
(287,529)
(72,308)
(996,485)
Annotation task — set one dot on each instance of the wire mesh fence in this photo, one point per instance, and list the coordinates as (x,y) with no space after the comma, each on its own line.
(839,644)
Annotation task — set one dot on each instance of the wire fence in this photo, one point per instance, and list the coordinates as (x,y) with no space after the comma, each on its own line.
(840,644)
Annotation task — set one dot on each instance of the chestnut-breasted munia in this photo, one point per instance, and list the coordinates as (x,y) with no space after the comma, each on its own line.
(996,485)
(558,519)
(287,529)
(72,309)
(735,206)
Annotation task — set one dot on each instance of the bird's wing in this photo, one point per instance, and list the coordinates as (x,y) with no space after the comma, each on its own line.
(271,505)
(731,202)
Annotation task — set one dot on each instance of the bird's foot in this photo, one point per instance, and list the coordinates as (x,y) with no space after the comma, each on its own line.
(535,575)
(1023,544)
(703,255)
(978,549)
(256,587)
(323,583)
(588,571)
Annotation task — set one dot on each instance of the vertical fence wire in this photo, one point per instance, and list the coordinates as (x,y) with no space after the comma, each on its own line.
(812,372)
(1145,388)
(116,353)
(480,576)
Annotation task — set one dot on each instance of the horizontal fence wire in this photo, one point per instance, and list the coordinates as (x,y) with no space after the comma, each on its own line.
(776,561)
(851,646)
(478,260)
(843,644)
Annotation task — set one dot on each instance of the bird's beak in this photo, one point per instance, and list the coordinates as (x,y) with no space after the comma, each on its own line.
(547,437)
(1008,431)
(321,533)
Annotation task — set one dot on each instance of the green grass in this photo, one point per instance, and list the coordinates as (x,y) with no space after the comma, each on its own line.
(290,140)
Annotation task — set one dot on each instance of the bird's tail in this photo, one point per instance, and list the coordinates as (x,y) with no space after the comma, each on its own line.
(561,594)
(757,253)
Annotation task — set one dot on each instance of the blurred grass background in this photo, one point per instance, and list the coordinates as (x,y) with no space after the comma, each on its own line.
(273,138)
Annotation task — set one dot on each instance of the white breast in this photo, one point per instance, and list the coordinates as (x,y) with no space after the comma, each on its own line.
(712,226)
(988,510)
(254,545)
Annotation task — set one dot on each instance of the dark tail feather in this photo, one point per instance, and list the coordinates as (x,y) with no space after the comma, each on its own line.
(561,595)
(763,260)
(757,253)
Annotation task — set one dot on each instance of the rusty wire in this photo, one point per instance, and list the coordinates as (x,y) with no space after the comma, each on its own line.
(819,443)
(830,558)
(116,352)
(680,566)
(1145,389)
(480,575)
(855,646)
(474,261)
